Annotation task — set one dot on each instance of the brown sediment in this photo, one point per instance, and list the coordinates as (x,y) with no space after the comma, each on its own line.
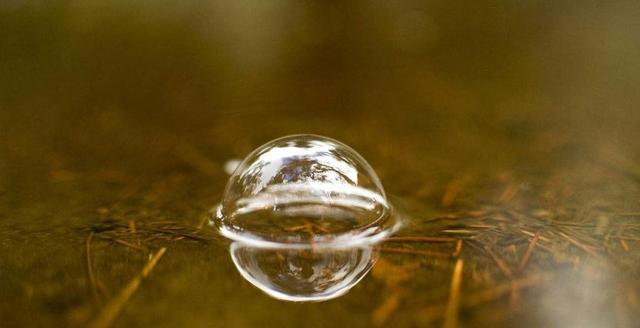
(527,253)
(111,310)
(453,305)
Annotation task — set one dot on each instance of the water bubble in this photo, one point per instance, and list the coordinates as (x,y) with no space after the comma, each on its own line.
(302,191)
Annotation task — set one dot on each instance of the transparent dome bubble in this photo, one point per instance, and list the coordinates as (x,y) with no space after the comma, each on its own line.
(303,275)
(303,191)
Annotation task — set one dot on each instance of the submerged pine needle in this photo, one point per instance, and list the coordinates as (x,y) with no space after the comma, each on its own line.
(499,262)
(451,193)
(128,244)
(421,239)
(383,312)
(486,295)
(508,194)
(459,231)
(453,305)
(527,253)
(624,245)
(424,252)
(111,310)
(92,277)
(580,245)
(458,248)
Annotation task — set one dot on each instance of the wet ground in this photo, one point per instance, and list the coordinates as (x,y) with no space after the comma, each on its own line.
(509,130)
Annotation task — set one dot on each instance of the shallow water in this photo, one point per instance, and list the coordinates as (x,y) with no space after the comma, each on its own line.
(492,123)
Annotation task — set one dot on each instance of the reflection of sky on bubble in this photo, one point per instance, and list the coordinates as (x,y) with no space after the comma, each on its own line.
(317,163)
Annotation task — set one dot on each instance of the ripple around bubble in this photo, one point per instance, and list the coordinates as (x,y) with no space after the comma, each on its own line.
(305,191)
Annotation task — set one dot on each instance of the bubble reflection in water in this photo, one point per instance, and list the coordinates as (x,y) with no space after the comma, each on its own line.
(303,275)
